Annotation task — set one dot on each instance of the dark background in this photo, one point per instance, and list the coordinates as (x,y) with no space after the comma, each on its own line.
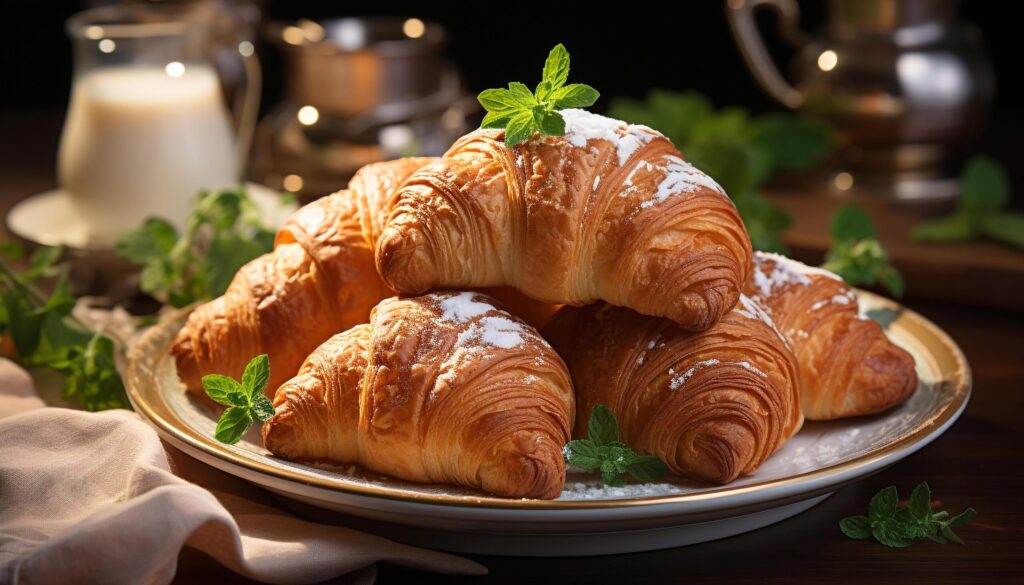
(621,48)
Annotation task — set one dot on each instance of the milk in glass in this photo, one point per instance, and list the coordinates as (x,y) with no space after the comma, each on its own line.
(141,141)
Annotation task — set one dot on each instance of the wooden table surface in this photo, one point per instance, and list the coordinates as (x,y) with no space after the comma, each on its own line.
(979,462)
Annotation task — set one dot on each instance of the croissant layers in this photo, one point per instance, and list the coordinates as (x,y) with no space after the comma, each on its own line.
(319,280)
(712,405)
(609,212)
(848,366)
(442,388)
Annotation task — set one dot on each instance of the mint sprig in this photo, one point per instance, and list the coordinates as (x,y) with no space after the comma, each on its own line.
(898,527)
(857,255)
(521,112)
(984,197)
(223,233)
(602,450)
(245,400)
(43,333)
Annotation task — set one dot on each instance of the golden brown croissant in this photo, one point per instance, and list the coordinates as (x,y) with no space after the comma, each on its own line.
(609,211)
(712,405)
(848,366)
(442,388)
(319,280)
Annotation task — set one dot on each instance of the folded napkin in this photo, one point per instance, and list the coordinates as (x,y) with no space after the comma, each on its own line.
(98,498)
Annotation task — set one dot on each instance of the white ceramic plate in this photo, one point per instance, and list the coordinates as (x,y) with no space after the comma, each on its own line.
(587,519)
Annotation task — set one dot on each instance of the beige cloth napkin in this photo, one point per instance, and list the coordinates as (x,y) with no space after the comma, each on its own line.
(98,498)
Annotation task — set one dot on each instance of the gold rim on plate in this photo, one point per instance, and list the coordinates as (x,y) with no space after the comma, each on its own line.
(146,394)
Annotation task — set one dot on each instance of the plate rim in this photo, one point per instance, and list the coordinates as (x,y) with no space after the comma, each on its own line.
(842,471)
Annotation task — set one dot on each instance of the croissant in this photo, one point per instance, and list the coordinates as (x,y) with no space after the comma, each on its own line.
(442,388)
(712,405)
(848,366)
(320,279)
(609,212)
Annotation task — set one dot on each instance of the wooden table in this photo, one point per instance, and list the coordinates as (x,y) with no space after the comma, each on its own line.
(979,463)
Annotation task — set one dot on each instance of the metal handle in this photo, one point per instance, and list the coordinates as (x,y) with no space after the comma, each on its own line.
(249,104)
(740,14)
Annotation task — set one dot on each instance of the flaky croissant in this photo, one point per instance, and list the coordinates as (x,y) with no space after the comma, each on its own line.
(712,405)
(848,366)
(319,280)
(442,388)
(609,211)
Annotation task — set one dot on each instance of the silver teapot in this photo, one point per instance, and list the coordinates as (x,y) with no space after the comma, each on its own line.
(905,83)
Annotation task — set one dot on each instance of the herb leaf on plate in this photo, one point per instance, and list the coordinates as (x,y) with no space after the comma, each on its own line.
(603,451)
(245,399)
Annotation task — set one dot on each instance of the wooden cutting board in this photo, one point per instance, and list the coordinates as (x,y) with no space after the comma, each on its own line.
(978,273)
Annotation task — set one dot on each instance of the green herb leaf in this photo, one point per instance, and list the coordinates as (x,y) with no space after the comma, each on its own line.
(857,527)
(984,186)
(262,408)
(921,502)
(958,227)
(583,454)
(223,232)
(233,425)
(522,112)
(576,95)
(218,387)
(648,468)
(899,527)
(603,451)
(1005,227)
(602,429)
(556,67)
(246,399)
(256,375)
(856,255)
(794,143)
(12,250)
(883,505)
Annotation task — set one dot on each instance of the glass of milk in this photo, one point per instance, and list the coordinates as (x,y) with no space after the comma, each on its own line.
(147,126)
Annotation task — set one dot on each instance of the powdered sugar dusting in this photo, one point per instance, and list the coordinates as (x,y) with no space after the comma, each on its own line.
(461,307)
(837,299)
(493,331)
(752,310)
(678,381)
(581,126)
(681,177)
(595,490)
(784,271)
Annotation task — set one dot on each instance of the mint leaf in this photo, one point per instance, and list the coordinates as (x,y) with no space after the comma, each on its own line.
(521,112)
(550,123)
(12,250)
(794,143)
(613,478)
(520,127)
(262,408)
(962,518)
(233,425)
(238,399)
(984,186)
(883,504)
(256,376)
(921,502)
(958,227)
(154,239)
(556,67)
(890,533)
(498,100)
(218,388)
(576,95)
(602,428)
(850,224)
(857,527)
(583,454)
(648,468)
(1005,227)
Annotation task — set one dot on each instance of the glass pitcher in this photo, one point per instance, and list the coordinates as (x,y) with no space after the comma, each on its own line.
(147,125)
